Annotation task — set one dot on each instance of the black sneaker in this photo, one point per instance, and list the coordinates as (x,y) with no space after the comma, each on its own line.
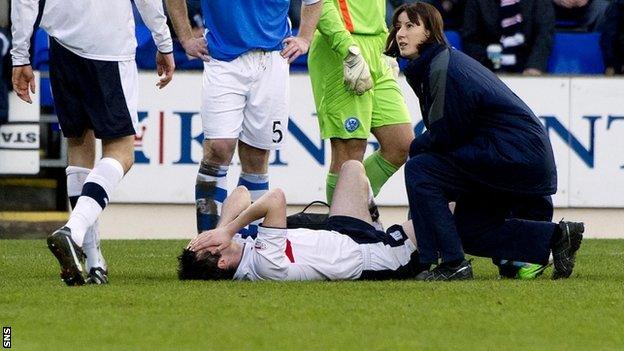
(443,272)
(97,276)
(69,255)
(564,250)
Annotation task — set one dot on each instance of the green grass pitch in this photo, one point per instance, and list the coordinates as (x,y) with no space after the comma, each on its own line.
(146,308)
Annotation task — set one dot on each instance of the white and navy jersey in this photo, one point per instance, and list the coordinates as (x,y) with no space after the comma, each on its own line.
(94,29)
(261,25)
(306,254)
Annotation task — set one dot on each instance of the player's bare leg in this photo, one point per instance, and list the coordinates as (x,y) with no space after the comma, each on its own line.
(394,142)
(120,149)
(342,150)
(352,193)
(81,150)
(253,159)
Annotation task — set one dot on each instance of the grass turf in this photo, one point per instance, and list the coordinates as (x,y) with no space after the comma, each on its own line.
(146,307)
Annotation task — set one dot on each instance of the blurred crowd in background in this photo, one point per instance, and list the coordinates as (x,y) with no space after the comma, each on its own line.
(516,36)
(529,37)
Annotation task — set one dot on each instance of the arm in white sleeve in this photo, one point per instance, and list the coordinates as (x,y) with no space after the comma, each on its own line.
(270,258)
(23,16)
(154,17)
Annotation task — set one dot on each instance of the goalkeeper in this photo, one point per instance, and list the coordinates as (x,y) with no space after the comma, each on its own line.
(356,92)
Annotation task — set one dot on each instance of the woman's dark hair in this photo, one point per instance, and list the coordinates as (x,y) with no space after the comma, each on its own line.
(204,268)
(417,12)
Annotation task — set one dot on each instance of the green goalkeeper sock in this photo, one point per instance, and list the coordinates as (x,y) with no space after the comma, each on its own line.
(378,171)
(330,182)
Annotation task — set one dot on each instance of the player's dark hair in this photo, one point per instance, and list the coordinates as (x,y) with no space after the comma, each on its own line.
(417,12)
(205,268)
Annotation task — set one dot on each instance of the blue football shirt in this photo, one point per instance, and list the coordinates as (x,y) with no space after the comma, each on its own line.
(237,26)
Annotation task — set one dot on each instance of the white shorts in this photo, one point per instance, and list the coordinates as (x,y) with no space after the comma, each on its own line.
(247,99)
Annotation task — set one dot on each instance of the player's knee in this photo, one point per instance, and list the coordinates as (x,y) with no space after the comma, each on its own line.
(352,166)
(395,151)
(397,155)
(243,192)
(218,152)
(277,196)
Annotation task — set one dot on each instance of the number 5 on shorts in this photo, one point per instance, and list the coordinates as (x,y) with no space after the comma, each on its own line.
(278,135)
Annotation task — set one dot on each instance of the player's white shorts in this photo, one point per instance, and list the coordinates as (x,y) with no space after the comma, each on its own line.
(247,99)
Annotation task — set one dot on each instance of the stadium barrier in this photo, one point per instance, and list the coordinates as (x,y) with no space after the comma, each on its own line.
(584,118)
(19,137)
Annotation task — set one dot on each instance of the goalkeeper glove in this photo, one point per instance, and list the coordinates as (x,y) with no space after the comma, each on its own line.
(357,75)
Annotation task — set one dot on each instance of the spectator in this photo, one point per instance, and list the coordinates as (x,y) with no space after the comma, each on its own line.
(612,39)
(195,18)
(452,12)
(580,15)
(294,13)
(513,36)
(391,5)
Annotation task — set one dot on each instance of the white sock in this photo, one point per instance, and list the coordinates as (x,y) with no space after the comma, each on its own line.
(96,192)
(91,248)
(76,177)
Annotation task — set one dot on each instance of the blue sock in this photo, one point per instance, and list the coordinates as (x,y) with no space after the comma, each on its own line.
(210,192)
(257,184)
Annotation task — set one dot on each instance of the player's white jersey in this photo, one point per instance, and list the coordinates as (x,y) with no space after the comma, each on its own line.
(305,254)
(93,29)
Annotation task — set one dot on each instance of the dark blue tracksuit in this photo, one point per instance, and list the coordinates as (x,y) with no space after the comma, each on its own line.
(484,149)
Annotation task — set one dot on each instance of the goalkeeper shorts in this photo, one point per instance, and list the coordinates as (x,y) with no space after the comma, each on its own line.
(343,114)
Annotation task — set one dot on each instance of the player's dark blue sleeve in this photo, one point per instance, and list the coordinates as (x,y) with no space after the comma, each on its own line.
(453,95)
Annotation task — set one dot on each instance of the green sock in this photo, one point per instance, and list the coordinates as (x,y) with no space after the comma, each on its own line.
(378,171)
(330,182)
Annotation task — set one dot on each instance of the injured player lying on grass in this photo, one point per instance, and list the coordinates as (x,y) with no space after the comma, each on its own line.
(350,248)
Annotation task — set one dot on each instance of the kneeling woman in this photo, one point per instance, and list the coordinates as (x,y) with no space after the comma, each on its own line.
(484,149)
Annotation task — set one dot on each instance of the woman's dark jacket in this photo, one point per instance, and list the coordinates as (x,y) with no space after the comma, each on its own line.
(475,121)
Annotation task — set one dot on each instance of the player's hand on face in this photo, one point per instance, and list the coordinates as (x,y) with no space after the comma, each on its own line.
(197,47)
(23,80)
(294,47)
(215,241)
(165,65)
